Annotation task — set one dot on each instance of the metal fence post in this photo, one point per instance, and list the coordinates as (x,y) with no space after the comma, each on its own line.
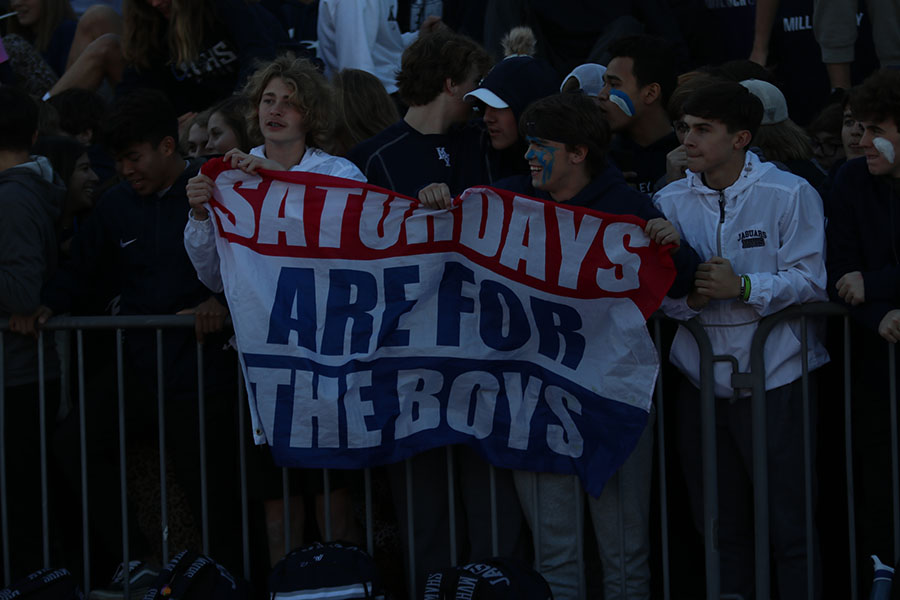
(82,448)
(123,473)
(661,455)
(245,509)
(708,449)
(410,523)
(895,463)
(326,483)
(42,425)
(4,489)
(848,456)
(161,418)
(201,410)
(370,526)
(451,504)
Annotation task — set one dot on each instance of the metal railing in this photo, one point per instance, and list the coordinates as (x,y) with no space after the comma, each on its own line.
(754,381)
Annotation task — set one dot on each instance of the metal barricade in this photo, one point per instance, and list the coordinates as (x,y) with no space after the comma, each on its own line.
(754,380)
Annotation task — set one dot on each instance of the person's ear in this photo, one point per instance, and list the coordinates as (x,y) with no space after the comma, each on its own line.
(85,136)
(578,154)
(167,145)
(650,92)
(742,139)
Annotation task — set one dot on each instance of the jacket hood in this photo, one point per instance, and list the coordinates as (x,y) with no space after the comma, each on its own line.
(600,185)
(753,169)
(38,176)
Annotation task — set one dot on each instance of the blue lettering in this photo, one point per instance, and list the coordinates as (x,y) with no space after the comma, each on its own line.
(294,308)
(351,295)
(451,302)
(396,305)
(555,321)
(503,324)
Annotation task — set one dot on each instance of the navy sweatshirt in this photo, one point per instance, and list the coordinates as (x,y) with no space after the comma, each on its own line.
(863,234)
(404,161)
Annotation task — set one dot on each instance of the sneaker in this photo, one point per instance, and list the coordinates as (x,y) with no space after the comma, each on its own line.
(140,577)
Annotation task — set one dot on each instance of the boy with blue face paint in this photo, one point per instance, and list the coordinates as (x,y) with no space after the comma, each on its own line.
(640,77)
(567,146)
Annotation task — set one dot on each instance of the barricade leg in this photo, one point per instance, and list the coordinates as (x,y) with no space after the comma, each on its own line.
(286,507)
(326,491)
(848,459)
(4,490)
(411,525)
(82,452)
(661,457)
(123,497)
(895,460)
(370,519)
(451,504)
(42,429)
(161,423)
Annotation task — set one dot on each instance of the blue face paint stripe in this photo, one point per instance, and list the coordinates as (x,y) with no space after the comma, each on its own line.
(544,155)
(621,99)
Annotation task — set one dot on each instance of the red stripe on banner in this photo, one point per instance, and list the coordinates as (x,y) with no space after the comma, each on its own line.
(563,250)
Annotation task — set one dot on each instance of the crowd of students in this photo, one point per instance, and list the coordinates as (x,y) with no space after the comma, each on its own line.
(101,201)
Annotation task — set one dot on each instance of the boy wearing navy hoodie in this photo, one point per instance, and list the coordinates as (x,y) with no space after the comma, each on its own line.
(568,141)
(864,274)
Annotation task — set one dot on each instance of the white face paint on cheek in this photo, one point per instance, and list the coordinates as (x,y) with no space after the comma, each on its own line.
(885,148)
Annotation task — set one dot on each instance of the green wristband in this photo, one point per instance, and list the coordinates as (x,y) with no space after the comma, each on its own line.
(746,287)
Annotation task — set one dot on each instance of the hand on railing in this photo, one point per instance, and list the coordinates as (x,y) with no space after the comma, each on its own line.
(852,289)
(209,317)
(889,328)
(25,324)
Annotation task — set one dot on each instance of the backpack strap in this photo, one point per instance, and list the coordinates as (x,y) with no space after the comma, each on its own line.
(38,581)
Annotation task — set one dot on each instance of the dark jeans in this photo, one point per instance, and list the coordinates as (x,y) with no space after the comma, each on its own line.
(734,448)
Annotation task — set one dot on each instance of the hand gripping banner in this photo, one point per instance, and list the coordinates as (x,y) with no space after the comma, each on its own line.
(371,328)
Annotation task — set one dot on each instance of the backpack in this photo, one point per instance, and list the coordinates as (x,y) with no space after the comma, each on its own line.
(46,584)
(489,579)
(192,576)
(334,570)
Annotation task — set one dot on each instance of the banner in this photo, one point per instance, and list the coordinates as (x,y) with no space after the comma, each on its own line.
(371,328)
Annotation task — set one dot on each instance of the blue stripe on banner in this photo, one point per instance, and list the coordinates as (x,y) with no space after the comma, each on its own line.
(516,414)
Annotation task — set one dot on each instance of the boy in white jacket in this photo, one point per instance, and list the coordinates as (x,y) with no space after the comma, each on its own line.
(761,233)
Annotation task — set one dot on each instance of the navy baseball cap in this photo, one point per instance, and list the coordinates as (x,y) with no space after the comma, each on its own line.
(516,82)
